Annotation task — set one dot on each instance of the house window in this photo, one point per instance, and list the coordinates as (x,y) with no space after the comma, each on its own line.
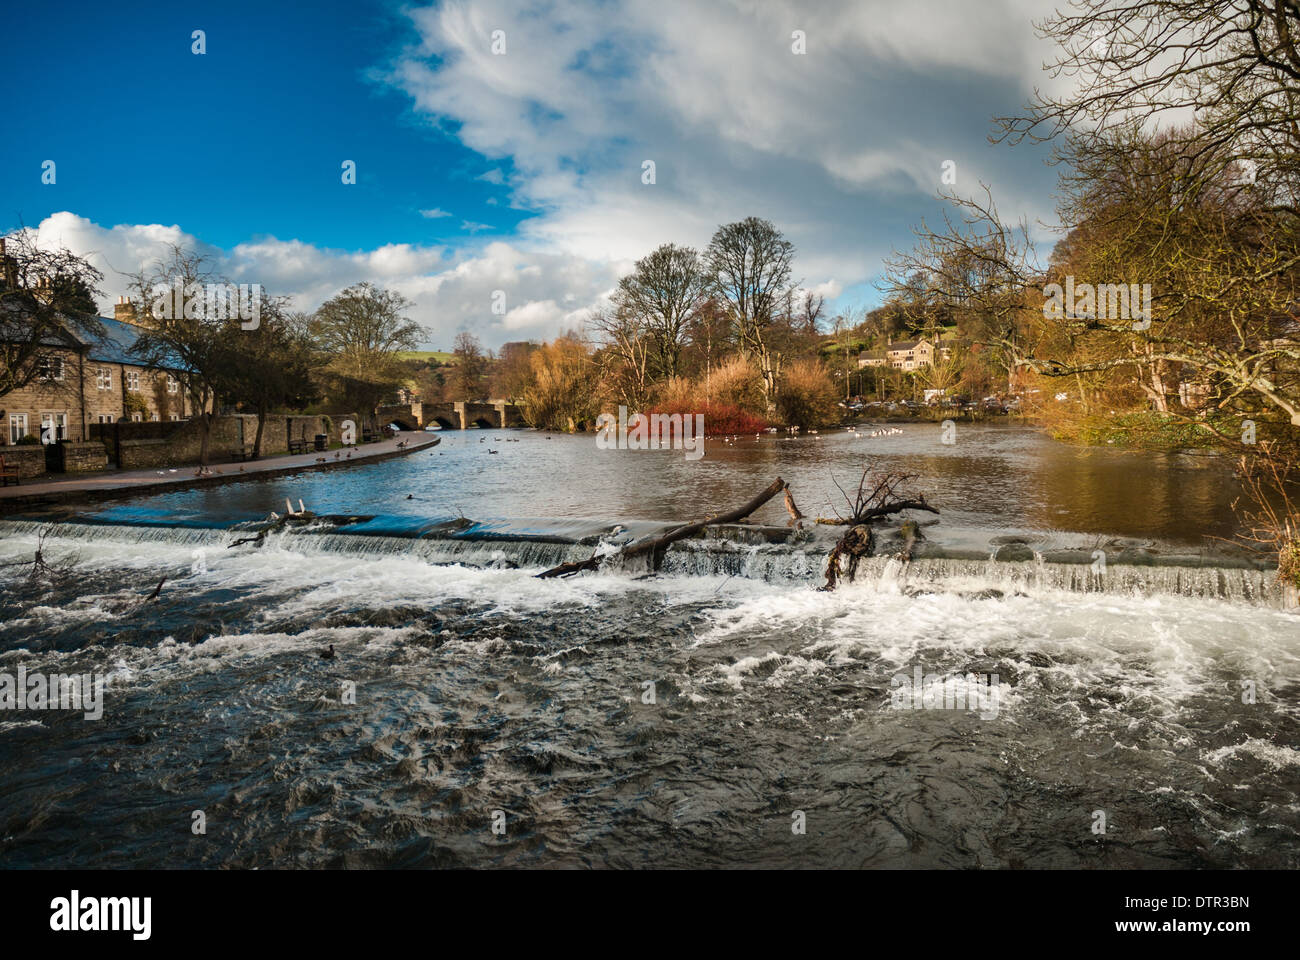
(173,385)
(51,368)
(137,417)
(133,381)
(17,426)
(103,378)
(105,418)
(154,418)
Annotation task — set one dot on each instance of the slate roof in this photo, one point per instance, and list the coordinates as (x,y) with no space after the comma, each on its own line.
(113,347)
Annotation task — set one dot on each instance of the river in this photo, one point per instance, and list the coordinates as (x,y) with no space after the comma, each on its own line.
(719,712)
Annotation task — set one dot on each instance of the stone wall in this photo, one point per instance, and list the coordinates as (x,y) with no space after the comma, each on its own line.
(145,455)
(78,457)
(30,460)
(141,448)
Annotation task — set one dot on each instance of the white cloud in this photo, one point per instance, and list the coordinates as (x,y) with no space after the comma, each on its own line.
(449,291)
(841,147)
(435,213)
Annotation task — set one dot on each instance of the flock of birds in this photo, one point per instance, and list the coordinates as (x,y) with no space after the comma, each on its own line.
(881,432)
(860,434)
(498,440)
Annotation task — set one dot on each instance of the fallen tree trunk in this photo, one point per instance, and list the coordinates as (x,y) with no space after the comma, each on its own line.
(874,513)
(656,545)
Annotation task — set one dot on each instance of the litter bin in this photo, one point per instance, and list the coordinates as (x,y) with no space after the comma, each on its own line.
(322,439)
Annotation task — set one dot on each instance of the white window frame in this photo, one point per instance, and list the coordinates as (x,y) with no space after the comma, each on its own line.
(15,432)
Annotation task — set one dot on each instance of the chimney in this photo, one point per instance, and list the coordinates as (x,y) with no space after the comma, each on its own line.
(9,266)
(124,310)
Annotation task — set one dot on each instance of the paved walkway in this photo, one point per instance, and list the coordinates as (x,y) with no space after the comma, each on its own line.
(117,484)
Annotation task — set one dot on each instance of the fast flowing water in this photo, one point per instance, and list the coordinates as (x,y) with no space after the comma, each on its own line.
(1147,716)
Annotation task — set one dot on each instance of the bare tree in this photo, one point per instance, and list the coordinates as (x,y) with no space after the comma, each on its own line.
(749,263)
(626,355)
(46,298)
(188,342)
(1232,64)
(662,293)
(466,380)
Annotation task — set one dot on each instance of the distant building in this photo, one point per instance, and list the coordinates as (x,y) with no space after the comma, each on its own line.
(910,354)
(872,358)
(82,382)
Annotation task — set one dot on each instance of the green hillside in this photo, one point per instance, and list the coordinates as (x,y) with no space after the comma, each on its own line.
(441,356)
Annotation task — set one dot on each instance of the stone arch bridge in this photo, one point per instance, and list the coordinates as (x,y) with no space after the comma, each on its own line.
(452,416)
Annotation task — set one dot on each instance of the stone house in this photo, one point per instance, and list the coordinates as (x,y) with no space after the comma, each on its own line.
(84,382)
(904,355)
(910,354)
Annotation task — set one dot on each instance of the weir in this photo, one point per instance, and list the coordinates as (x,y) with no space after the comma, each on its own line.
(512,544)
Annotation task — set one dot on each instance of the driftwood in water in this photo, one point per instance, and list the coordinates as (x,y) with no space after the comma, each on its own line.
(878,495)
(792,508)
(656,545)
(876,513)
(854,545)
(42,570)
(275,525)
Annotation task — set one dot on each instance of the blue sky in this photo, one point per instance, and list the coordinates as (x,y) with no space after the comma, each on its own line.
(246,139)
(515,168)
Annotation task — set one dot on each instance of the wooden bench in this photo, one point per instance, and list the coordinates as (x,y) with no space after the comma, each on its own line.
(242,453)
(299,446)
(8,474)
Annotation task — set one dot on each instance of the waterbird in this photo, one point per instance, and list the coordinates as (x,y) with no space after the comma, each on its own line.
(328,654)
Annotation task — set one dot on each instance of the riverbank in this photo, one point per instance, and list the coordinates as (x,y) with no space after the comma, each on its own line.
(121,484)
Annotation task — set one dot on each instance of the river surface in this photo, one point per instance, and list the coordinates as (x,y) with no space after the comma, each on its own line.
(720,712)
(991,477)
